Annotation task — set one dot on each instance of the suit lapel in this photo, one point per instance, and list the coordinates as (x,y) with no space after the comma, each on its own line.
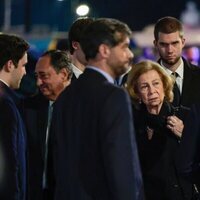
(73,78)
(42,124)
(187,79)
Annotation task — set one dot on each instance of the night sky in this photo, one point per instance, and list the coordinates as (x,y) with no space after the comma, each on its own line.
(58,16)
(141,12)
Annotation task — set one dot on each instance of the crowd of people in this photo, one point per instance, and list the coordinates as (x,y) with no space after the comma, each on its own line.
(100,127)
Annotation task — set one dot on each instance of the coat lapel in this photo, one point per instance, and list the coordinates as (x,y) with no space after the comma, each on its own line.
(186,82)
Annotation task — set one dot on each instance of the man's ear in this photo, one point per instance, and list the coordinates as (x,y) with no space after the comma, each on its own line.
(9,66)
(104,50)
(64,74)
(75,45)
(155,43)
(183,42)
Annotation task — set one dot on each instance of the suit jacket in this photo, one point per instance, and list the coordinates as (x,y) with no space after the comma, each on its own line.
(12,147)
(35,110)
(188,159)
(191,84)
(95,150)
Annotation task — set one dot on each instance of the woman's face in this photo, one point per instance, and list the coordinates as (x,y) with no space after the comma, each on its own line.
(151,90)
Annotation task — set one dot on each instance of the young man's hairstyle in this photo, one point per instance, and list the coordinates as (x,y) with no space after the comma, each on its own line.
(12,47)
(168,25)
(76,31)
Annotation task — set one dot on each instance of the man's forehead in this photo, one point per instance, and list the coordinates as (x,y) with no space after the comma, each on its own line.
(169,36)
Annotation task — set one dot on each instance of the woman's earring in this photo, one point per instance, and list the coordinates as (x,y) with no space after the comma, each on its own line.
(139,101)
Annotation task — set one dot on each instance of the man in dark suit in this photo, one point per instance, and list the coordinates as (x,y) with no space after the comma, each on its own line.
(95,149)
(169,41)
(53,73)
(188,158)
(13,58)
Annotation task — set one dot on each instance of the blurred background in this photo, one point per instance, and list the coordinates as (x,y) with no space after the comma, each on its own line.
(57,15)
(45,23)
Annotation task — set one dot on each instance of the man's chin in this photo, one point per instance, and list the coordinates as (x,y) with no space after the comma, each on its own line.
(44,92)
(124,69)
(47,96)
(171,62)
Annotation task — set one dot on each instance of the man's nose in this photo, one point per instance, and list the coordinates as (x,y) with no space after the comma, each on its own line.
(131,54)
(169,48)
(38,81)
(24,71)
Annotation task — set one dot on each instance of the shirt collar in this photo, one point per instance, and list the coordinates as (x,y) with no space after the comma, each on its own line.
(51,103)
(77,72)
(179,70)
(105,74)
(4,82)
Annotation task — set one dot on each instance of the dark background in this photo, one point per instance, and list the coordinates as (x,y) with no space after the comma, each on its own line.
(53,15)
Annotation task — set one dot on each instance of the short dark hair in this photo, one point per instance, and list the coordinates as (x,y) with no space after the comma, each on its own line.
(103,31)
(76,31)
(59,60)
(168,25)
(12,47)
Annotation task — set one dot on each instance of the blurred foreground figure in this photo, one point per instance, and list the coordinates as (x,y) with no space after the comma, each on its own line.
(188,161)
(95,150)
(13,59)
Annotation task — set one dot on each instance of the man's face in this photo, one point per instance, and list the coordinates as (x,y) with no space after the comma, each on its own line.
(50,83)
(18,72)
(120,58)
(169,47)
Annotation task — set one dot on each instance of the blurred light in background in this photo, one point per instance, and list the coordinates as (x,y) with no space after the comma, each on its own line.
(82,10)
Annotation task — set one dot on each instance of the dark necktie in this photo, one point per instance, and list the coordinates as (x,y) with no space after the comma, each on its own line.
(45,178)
(176,91)
(117,81)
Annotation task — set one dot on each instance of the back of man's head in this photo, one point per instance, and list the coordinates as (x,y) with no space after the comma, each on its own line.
(103,31)
(76,31)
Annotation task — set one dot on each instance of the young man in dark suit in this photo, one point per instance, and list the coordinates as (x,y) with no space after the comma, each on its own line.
(53,74)
(169,42)
(95,149)
(13,59)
